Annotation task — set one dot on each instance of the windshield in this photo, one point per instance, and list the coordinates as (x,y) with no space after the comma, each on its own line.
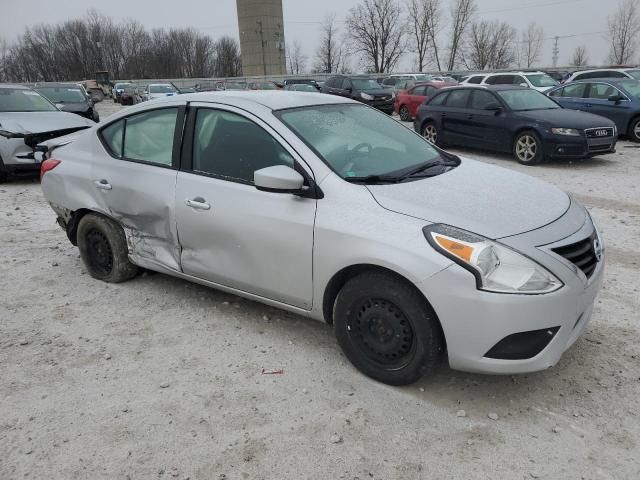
(542,80)
(23,100)
(634,73)
(357,141)
(63,94)
(632,87)
(423,77)
(365,84)
(121,85)
(161,89)
(520,100)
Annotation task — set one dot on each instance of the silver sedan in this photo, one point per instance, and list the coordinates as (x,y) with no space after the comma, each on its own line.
(327,208)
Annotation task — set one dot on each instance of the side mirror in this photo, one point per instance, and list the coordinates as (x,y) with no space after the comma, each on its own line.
(615,98)
(278,179)
(496,108)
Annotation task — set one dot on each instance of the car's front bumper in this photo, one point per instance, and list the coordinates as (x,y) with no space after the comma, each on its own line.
(475,321)
(560,147)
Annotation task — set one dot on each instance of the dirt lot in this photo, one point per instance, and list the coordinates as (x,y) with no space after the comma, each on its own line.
(159,378)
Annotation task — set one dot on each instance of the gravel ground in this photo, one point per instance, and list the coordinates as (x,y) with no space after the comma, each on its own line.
(160,378)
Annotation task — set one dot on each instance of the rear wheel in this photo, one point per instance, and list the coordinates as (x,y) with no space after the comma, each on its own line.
(527,148)
(634,130)
(103,249)
(386,329)
(405,115)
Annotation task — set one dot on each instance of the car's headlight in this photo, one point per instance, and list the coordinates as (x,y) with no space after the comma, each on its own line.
(571,132)
(366,96)
(497,268)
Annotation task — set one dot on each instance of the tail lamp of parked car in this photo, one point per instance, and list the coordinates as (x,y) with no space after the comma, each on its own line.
(47,166)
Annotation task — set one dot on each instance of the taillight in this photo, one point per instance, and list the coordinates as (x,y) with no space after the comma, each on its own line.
(47,166)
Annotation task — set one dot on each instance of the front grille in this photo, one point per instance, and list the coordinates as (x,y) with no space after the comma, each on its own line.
(603,132)
(582,254)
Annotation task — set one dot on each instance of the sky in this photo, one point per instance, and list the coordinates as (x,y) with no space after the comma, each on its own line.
(581,22)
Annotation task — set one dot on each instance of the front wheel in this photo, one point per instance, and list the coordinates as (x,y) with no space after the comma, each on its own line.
(386,329)
(634,130)
(527,148)
(431,134)
(103,249)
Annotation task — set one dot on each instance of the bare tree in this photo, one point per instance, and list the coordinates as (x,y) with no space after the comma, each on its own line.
(418,29)
(227,58)
(490,45)
(580,58)
(433,13)
(329,54)
(531,44)
(461,13)
(296,59)
(624,27)
(375,29)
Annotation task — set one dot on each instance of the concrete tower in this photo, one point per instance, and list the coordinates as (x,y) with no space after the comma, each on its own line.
(261,37)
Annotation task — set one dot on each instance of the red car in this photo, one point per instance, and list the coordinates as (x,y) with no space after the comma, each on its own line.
(408,101)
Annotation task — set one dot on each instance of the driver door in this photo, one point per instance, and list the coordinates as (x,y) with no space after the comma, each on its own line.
(231,233)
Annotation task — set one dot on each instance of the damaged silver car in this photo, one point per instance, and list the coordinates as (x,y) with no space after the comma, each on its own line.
(27,119)
(326,207)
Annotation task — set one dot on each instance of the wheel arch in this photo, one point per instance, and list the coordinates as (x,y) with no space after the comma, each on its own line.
(341,277)
(74,221)
(632,120)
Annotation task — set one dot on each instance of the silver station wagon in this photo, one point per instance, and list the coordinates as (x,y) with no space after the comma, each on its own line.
(330,209)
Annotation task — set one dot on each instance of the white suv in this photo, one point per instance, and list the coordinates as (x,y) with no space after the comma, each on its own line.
(633,73)
(537,80)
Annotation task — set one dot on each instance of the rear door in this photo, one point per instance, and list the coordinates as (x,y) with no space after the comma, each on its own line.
(572,96)
(135,182)
(455,117)
(231,233)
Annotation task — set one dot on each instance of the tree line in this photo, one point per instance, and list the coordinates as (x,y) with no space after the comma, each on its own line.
(76,49)
(446,35)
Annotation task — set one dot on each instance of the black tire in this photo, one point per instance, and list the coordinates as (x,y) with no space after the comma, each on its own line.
(386,328)
(634,130)
(527,148)
(404,113)
(4,175)
(103,249)
(429,129)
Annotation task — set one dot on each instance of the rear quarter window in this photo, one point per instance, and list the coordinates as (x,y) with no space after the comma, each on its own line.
(438,100)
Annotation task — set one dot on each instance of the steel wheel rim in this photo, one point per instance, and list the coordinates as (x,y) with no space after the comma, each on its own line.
(382,333)
(431,134)
(526,148)
(404,114)
(99,252)
(636,131)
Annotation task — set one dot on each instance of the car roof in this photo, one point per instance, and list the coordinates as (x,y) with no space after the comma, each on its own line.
(58,85)
(485,87)
(602,79)
(14,85)
(272,99)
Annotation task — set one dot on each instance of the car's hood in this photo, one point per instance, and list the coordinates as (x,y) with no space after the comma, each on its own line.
(38,122)
(484,199)
(566,118)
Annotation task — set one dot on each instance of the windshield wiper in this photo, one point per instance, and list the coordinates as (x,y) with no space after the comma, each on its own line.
(439,162)
(373,179)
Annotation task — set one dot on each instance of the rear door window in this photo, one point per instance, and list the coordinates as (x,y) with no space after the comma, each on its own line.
(438,100)
(149,136)
(458,99)
(574,91)
(476,80)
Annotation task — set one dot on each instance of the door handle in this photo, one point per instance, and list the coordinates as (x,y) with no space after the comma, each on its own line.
(102,184)
(470,117)
(588,105)
(443,114)
(198,203)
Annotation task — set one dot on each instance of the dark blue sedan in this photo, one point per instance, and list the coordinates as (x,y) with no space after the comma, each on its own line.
(513,119)
(615,98)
